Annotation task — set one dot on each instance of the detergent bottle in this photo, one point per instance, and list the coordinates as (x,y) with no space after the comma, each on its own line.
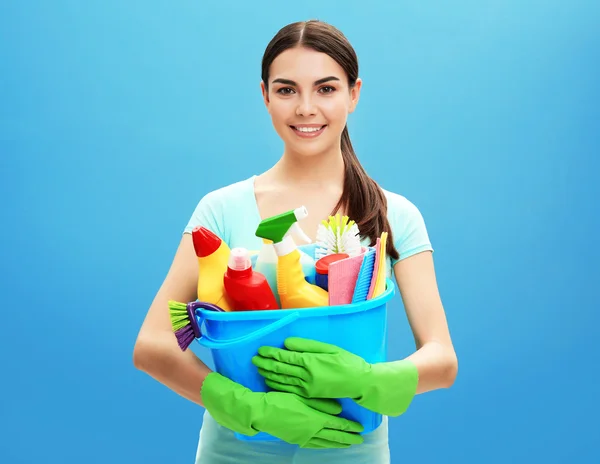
(213,257)
(247,289)
(292,286)
(266,264)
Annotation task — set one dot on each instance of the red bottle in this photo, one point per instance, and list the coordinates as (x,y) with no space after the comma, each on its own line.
(247,289)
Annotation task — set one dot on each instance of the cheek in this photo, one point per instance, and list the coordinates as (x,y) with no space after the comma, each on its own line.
(280,113)
(335,110)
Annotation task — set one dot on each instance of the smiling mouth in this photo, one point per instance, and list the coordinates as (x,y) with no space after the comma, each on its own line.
(308,131)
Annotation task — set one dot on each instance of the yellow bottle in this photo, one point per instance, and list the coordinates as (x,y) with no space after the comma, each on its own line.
(293,289)
(213,256)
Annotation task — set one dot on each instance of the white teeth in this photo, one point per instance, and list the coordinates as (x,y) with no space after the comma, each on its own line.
(308,129)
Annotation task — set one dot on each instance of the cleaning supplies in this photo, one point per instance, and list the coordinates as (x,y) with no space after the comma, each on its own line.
(266,264)
(322,269)
(365,274)
(378,280)
(338,235)
(294,291)
(183,320)
(247,289)
(213,256)
(343,275)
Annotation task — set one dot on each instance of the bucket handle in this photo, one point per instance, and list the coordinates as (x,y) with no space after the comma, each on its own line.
(208,342)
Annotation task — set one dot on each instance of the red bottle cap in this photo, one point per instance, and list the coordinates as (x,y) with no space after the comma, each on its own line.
(205,241)
(322,265)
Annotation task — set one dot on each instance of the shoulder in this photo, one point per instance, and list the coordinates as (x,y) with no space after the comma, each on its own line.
(213,207)
(409,232)
(399,206)
(223,196)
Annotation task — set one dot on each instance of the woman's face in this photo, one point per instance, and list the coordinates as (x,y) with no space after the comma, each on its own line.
(309,100)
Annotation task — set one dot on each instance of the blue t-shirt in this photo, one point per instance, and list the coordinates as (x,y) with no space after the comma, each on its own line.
(232,213)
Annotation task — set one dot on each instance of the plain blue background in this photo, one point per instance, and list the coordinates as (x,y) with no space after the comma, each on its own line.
(116,117)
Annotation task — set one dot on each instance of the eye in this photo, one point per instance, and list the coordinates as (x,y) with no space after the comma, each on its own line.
(285,91)
(327,89)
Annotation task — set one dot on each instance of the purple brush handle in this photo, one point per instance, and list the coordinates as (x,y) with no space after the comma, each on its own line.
(191,310)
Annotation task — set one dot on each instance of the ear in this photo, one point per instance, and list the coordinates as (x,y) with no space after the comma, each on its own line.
(265,94)
(355,95)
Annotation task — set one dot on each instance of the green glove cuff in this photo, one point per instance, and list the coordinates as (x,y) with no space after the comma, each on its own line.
(231,404)
(390,387)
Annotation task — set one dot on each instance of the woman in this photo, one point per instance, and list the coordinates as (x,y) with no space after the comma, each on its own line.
(309,84)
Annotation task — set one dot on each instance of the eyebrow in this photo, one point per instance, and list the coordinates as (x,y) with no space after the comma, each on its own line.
(317,82)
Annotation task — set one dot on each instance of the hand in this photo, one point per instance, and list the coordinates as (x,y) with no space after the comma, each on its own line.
(312,369)
(319,370)
(310,423)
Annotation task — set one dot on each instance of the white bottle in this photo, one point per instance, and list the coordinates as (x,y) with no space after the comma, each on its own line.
(266,264)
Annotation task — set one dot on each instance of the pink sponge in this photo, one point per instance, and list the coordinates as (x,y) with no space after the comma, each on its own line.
(342,279)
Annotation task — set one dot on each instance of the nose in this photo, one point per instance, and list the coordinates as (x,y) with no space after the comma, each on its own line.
(306,106)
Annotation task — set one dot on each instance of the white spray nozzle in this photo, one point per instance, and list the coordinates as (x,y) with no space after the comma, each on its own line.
(301,213)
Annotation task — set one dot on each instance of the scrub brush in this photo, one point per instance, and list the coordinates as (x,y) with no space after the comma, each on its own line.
(338,235)
(184,322)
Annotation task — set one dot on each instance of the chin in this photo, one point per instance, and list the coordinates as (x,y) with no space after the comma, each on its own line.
(307,151)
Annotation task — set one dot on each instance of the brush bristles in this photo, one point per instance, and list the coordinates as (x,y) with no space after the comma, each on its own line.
(185,337)
(182,326)
(178,315)
(338,235)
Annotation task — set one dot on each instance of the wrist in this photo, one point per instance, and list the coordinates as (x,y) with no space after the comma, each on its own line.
(231,404)
(390,388)
(364,378)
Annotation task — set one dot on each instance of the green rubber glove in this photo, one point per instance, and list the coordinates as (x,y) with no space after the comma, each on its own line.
(310,423)
(319,370)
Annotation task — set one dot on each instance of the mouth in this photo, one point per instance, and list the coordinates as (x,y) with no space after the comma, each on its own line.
(308,131)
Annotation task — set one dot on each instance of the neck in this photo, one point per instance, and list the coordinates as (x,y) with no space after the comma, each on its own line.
(311,171)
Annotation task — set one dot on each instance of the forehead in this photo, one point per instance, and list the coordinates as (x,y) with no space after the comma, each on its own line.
(305,65)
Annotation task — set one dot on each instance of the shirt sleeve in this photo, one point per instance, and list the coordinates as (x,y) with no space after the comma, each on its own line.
(408,227)
(207,213)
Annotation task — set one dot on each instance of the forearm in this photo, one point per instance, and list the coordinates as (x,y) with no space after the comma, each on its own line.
(389,387)
(180,371)
(437,366)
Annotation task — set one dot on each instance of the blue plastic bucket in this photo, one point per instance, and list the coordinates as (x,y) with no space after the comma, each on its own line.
(235,337)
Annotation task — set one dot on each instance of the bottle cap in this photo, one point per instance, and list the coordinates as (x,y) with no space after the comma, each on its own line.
(322,265)
(205,241)
(239,259)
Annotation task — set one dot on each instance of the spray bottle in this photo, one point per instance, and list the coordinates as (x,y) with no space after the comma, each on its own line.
(213,256)
(294,291)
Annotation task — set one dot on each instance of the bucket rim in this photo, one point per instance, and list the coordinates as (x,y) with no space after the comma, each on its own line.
(303,312)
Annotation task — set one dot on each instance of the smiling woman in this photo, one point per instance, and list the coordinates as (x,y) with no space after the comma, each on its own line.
(310,85)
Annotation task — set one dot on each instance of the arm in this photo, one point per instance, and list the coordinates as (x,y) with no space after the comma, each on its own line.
(156,351)
(308,423)
(435,358)
(319,370)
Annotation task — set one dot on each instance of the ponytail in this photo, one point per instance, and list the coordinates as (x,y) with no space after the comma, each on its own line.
(363,199)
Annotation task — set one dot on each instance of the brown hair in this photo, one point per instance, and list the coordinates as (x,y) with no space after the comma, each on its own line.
(362,197)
